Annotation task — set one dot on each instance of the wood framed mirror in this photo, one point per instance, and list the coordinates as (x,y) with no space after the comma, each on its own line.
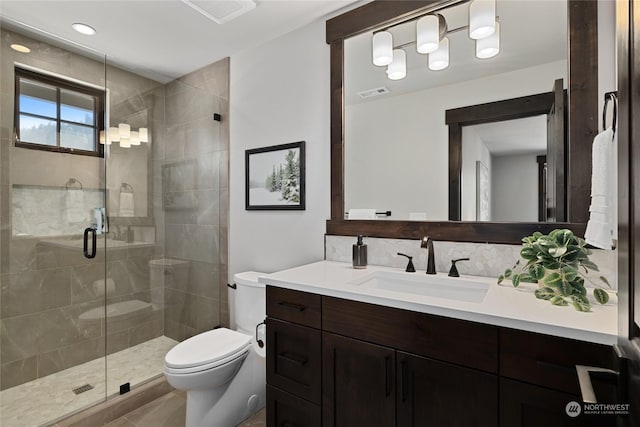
(582,125)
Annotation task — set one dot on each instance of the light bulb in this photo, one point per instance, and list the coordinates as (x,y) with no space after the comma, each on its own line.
(398,68)
(382,48)
(428,34)
(482,18)
(124,130)
(439,60)
(489,46)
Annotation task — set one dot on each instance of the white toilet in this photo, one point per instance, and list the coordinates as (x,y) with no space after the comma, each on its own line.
(223,371)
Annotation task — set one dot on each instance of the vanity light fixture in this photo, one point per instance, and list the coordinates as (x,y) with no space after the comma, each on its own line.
(489,46)
(20,48)
(439,60)
(431,38)
(430,30)
(85,29)
(123,134)
(482,18)
(398,68)
(382,48)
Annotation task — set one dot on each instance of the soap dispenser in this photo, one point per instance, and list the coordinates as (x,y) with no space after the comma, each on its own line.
(360,253)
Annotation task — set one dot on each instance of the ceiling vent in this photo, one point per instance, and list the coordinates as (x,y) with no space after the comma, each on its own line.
(221,11)
(373,92)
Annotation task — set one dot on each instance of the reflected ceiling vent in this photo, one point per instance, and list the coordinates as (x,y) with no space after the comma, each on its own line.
(221,11)
(373,92)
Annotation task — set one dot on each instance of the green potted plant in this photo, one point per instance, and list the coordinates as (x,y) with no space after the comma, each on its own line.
(559,263)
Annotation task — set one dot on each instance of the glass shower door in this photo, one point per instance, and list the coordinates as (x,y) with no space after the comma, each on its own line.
(52,181)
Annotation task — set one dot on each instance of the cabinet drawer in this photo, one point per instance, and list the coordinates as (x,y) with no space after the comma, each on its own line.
(526,405)
(294,359)
(286,410)
(457,341)
(294,306)
(547,360)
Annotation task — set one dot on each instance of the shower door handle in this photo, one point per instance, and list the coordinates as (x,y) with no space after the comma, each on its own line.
(88,231)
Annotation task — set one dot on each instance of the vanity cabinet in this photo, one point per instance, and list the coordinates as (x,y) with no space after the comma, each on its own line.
(336,362)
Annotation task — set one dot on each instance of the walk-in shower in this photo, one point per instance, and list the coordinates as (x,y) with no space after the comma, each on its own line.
(142,167)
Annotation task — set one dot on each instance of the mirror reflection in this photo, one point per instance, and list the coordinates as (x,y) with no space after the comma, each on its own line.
(396,136)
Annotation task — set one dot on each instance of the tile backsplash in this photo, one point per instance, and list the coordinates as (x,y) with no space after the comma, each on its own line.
(489,260)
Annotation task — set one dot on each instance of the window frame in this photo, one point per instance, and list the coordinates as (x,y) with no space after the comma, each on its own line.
(59,84)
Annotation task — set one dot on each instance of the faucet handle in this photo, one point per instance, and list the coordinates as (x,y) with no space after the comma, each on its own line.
(410,268)
(453,272)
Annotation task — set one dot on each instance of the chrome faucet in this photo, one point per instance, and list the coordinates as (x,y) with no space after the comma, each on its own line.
(427,242)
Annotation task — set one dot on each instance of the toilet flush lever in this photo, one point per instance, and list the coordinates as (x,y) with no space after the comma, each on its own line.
(258,340)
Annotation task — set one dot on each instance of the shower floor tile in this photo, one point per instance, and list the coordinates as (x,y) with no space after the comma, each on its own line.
(46,399)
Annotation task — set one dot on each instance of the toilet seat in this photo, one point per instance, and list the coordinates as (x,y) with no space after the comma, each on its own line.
(206,351)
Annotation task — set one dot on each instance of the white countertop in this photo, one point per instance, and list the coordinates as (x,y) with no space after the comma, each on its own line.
(503,304)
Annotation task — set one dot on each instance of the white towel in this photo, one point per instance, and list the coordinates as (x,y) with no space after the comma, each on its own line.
(126,204)
(74,204)
(361,214)
(600,225)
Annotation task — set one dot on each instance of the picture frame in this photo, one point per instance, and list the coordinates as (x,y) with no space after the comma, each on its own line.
(275,177)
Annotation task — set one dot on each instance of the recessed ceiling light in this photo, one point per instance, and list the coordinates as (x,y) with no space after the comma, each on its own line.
(84,29)
(20,48)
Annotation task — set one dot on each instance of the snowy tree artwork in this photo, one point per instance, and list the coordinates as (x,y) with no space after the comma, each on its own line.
(275,177)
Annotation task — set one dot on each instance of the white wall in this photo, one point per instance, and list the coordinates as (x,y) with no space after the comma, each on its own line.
(514,192)
(396,154)
(279,93)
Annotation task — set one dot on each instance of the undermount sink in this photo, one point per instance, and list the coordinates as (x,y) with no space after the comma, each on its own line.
(459,289)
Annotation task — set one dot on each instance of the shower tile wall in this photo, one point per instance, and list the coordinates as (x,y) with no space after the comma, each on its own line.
(47,286)
(195,199)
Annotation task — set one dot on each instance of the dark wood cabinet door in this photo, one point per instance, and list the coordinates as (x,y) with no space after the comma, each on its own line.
(358,383)
(526,405)
(434,393)
(294,359)
(287,410)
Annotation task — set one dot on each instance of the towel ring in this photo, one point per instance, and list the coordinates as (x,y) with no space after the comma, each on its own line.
(613,97)
(71,182)
(128,188)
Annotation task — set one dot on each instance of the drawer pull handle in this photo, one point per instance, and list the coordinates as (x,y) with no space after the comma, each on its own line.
(292,306)
(404,383)
(557,367)
(286,423)
(584,379)
(387,372)
(294,358)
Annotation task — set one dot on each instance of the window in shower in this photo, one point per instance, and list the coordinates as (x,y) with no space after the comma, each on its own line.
(54,114)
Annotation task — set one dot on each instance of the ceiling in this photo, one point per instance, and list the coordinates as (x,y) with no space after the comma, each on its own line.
(161,39)
(533,32)
(512,137)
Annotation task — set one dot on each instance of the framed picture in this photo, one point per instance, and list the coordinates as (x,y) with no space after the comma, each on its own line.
(275,177)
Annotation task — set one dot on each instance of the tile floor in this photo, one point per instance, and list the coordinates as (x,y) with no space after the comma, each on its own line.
(46,399)
(169,411)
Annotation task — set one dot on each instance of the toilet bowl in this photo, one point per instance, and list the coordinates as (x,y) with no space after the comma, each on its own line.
(223,370)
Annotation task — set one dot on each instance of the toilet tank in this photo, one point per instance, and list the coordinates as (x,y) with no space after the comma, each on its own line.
(249,301)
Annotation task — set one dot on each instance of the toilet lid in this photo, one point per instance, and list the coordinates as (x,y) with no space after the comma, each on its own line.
(206,348)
